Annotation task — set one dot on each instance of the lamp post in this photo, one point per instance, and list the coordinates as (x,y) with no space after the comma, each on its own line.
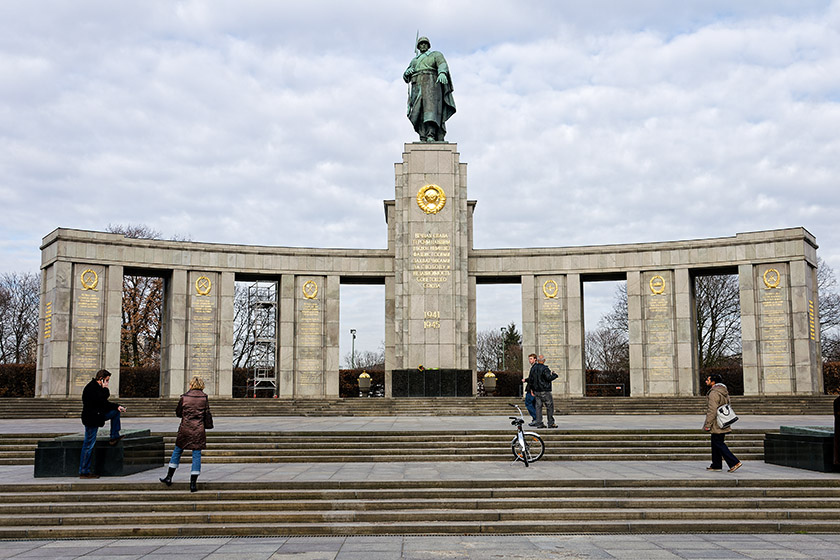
(503,349)
(353,349)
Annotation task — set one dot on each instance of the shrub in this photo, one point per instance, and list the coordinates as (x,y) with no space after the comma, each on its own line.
(17,380)
(348,383)
(831,378)
(142,382)
(607,383)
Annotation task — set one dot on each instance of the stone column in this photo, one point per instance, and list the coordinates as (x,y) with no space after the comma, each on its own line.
(310,335)
(473,331)
(576,333)
(203,328)
(685,333)
(530,344)
(90,289)
(549,301)
(749,329)
(173,351)
(804,306)
(51,378)
(227,294)
(390,335)
(331,340)
(774,329)
(286,337)
(431,242)
(635,328)
(658,333)
(113,325)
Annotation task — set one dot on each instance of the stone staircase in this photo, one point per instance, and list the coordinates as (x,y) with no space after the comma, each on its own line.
(441,406)
(418,446)
(510,506)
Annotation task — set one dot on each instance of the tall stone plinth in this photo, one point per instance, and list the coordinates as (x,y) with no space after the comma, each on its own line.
(779,328)
(429,230)
(79,327)
(551,318)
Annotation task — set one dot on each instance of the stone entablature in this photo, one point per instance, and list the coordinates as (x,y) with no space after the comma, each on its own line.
(430,272)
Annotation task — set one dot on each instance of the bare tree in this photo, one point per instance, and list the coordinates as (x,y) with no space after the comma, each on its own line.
(19,299)
(829,298)
(607,349)
(242,348)
(367,359)
(488,350)
(718,308)
(142,308)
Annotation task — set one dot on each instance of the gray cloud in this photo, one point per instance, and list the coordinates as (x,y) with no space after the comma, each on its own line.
(277,123)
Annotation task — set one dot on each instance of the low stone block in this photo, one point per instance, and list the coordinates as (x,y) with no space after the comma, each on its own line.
(810,448)
(138,451)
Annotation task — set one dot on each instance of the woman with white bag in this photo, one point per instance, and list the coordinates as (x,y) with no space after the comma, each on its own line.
(717,397)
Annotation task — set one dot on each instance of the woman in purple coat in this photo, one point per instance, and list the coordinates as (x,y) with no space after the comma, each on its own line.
(194,411)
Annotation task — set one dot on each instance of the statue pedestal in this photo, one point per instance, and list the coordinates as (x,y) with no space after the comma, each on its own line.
(429,226)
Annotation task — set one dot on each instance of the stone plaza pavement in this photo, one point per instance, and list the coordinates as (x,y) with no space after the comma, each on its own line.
(529,545)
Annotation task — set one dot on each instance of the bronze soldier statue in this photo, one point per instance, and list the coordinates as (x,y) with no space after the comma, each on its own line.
(430,101)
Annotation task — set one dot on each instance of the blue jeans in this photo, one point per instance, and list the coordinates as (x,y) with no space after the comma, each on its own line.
(529,404)
(90,440)
(721,452)
(176,459)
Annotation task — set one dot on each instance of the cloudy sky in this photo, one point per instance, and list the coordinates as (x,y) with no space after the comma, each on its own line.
(279,122)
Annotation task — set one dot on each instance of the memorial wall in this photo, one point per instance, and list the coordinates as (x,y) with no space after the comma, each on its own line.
(430,271)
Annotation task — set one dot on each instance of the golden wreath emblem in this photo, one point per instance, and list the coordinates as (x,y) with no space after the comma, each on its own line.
(550,289)
(657,285)
(772,278)
(89,279)
(310,290)
(203,286)
(431,199)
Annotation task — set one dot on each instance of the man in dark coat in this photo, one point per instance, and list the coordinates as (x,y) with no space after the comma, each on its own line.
(96,410)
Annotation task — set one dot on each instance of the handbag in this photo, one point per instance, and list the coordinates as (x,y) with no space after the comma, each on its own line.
(208,418)
(726,416)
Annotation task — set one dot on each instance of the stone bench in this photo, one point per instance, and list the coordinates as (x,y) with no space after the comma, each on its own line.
(809,447)
(138,451)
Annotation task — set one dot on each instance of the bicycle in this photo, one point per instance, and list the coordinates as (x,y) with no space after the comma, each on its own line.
(526,446)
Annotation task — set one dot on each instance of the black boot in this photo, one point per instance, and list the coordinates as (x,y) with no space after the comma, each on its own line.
(193,487)
(168,478)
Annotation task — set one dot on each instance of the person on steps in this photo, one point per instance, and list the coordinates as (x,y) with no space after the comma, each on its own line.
(194,411)
(718,396)
(96,410)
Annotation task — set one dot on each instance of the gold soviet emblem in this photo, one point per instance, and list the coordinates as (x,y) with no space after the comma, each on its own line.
(772,278)
(203,286)
(89,279)
(431,199)
(550,289)
(310,290)
(657,285)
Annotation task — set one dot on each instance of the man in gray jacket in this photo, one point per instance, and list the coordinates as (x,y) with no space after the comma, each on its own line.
(718,395)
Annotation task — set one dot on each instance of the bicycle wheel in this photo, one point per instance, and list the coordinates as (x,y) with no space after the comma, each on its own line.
(534,448)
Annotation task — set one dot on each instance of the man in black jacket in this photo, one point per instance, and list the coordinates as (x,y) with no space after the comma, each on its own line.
(539,379)
(96,409)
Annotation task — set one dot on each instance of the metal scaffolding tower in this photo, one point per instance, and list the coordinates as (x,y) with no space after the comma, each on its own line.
(262,320)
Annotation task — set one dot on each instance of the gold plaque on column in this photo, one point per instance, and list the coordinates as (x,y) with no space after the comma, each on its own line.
(657,285)
(550,289)
(772,278)
(431,199)
(310,289)
(89,279)
(203,286)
